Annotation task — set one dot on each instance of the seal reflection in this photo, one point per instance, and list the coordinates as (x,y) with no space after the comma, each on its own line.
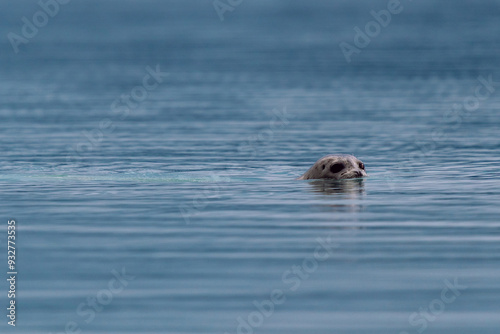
(345,193)
(350,188)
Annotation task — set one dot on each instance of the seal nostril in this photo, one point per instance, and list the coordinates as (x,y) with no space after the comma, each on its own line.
(358,173)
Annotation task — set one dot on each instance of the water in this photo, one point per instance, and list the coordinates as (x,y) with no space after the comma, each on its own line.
(192,193)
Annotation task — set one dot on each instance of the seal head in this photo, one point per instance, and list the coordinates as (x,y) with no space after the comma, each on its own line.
(336,167)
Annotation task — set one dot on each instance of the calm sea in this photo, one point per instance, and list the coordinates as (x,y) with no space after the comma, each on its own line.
(149,152)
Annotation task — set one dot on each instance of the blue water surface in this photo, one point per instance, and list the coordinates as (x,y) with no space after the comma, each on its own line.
(175,208)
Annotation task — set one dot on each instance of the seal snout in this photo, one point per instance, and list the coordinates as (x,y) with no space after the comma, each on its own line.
(358,174)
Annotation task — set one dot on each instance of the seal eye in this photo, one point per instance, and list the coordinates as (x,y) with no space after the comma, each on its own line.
(323,166)
(335,168)
(361,165)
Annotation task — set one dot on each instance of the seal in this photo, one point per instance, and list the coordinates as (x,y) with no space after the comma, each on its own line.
(336,167)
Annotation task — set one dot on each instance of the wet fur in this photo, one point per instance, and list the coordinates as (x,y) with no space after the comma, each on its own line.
(322,168)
